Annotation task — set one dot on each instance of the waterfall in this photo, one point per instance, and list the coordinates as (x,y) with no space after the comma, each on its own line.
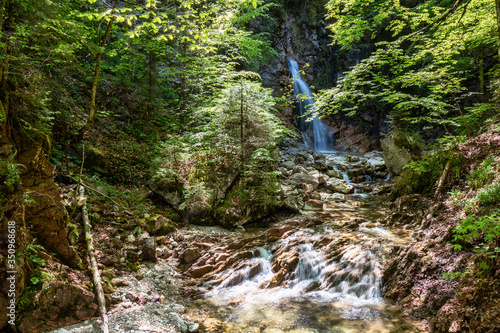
(321,139)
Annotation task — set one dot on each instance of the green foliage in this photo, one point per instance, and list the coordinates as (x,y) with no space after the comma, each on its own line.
(229,157)
(490,195)
(483,174)
(420,176)
(455,275)
(474,227)
(417,80)
(12,174)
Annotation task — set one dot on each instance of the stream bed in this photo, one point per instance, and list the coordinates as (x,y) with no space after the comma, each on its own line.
(324,276)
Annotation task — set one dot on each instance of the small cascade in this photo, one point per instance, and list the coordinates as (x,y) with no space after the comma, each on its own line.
(322,139)
(351,273)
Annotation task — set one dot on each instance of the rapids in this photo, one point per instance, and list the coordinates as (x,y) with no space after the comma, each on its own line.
(325,277)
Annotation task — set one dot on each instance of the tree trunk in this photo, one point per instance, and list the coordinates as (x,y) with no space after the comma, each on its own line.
(93,262)
(97,69)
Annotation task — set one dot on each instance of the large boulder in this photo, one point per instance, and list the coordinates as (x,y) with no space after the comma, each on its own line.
(300,178)
(395,157)
(167,185)
(58,304)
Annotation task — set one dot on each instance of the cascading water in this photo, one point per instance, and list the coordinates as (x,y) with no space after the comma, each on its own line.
(322,139)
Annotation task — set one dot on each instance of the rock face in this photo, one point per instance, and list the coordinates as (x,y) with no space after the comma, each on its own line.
(166,184)
(59,305)
(395,157)
(45,214)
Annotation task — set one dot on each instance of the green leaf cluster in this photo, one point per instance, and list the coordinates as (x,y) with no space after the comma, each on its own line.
(418,80)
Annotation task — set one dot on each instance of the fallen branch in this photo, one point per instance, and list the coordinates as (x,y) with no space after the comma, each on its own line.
(442,179)
(93,262)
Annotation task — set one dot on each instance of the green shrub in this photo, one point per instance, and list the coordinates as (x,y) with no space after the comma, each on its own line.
(483,174)
(490,195)
(475,227)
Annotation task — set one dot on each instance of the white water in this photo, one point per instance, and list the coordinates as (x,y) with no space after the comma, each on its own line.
(321,138)
(339,280)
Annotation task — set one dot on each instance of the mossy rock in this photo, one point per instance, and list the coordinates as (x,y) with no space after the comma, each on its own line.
(107,287)
(96,160)
(166,184)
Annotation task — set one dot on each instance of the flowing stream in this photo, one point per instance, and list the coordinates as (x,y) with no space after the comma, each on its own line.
(315,133)
(321,278)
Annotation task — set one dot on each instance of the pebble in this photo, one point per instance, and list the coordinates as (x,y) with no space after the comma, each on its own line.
(176,308)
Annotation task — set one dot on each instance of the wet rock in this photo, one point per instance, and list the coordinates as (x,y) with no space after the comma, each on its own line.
(375,164)
(275,233)
(198,272)
(275,281)
(338,185)
(313,205)
(334,173)
(190,255)
(149,250)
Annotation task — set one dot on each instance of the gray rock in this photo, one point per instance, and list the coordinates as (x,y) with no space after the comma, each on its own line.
(177,321)
(166,184)
(193,327)
(301,178)
(177,308)
(395,157)
(299,169)
(288,165)
(149,250)
(294,203)
(143,236)
(293,151)
(338,185)
(319,177)
(103,189)
(337,197)
(302,156)
(375,163)
(334,174)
